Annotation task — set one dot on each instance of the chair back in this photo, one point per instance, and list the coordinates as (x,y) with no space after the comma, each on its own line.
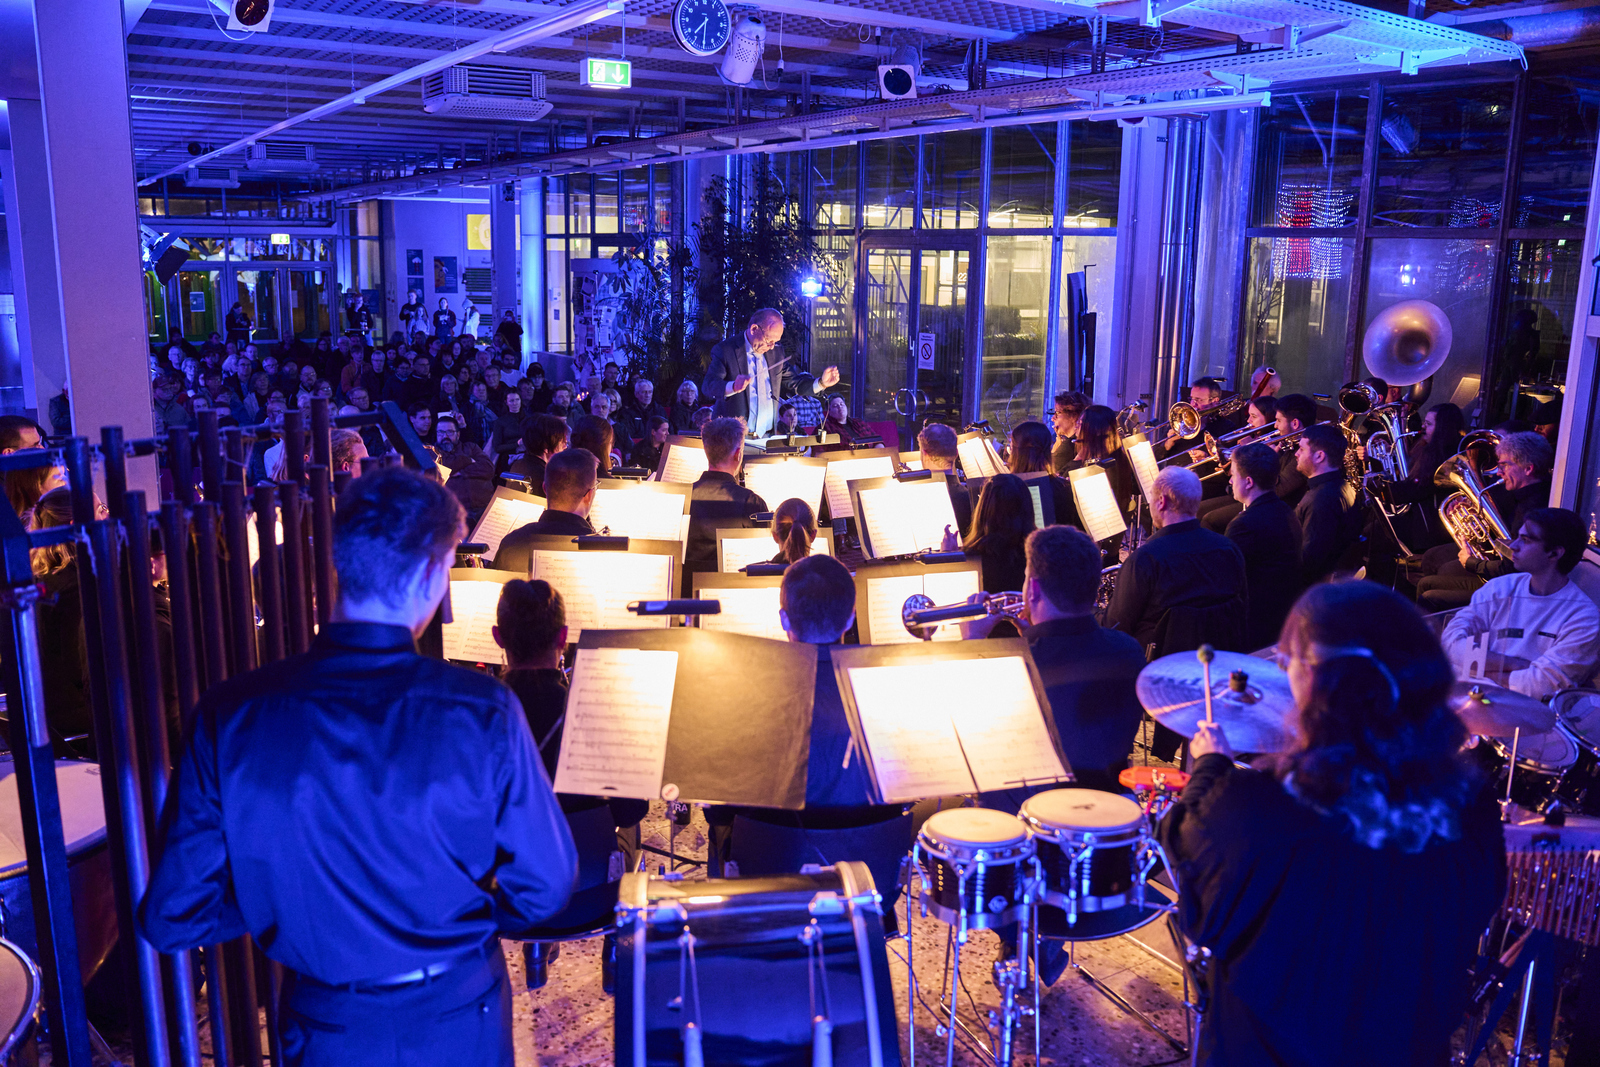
(761,848)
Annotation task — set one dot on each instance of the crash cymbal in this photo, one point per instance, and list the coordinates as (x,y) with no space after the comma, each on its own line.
(1493,711)
(1250,699)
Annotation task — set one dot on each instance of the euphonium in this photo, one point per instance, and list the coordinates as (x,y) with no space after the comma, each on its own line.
(1469,516)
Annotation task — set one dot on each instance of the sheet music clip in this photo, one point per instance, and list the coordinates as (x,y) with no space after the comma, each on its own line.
(676,607)
(601,542)
(912,476)
(474,551)
(866,442)
(932,558)
(763,570)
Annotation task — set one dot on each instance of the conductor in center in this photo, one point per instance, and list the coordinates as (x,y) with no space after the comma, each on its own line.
(749,374)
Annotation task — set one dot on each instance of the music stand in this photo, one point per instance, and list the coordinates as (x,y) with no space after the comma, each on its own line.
(1044,501)
(882,588)
(737,549)
(777,478)
(978,456)
(469,610)
(1142,458)
(749,605)
(656,511)
(937,720)
(895,518)
(683,459)
(867,463)
(507,510)
(911,461)
(599,577)
(720,746)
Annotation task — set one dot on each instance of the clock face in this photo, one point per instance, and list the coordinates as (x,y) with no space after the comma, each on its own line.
(701,26)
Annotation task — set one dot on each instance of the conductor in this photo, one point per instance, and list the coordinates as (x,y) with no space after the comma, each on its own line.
(749,374)
(373,818)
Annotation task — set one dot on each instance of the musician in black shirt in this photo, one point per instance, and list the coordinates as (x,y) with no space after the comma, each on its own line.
(937,443)
(570,478)
(375,819)
(1329,520)
(1268,535)
(718,502)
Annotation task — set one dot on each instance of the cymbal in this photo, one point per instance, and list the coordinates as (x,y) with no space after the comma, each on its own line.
(1256,711)
(1493,711)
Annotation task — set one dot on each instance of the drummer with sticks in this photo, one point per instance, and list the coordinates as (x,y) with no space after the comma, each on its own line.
(1364,832)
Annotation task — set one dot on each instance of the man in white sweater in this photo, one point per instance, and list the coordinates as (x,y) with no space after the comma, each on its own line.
(1533,631)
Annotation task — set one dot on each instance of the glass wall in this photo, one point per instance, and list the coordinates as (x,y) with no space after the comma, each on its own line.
(1015,327)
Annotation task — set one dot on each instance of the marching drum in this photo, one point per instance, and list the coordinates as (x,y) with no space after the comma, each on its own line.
(1578,718)
(1096,853)
(973,867)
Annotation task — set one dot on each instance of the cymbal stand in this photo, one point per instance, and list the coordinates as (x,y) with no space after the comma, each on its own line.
(1511,775)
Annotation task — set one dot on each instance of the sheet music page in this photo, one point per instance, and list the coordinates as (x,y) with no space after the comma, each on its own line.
(913,745)
(1037,492)
(684,463)
(739,552)
(978,458)
(911,461)
(1145,468)
(598,586)
(997,716)
(637,513)
(843,471)
(473,606)
(444,472)
(614,743)
(1097,504)
(886,598)
(253,537)
(503,515)
(753,612)
(951,587)
(777,482)
(906,517)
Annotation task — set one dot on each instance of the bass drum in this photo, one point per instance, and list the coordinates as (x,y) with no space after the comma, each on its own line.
(83,824)
(1578,715)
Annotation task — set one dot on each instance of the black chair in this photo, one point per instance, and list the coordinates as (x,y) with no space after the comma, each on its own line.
(592,910)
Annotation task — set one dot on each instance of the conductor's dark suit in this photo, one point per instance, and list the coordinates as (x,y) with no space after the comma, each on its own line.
(729,360)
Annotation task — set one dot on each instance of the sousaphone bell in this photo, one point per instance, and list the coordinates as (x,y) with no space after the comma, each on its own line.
(1407,342)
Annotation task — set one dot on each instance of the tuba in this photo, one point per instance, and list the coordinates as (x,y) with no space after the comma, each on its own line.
(1469,516)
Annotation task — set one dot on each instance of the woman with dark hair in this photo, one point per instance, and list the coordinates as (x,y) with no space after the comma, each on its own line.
(1001,524)
(1442,427)
(1261,412)
(1099,441)
(1031,444)
(794,527)
(1371,837)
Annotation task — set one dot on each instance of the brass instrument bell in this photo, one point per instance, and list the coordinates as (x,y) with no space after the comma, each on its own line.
(1407,342)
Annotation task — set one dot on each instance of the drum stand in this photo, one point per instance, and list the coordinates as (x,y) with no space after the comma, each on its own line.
(1120,1001)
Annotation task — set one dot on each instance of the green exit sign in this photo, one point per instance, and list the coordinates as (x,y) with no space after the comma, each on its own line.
(607,74)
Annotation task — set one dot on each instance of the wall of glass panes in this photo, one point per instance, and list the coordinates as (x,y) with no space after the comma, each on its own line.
(1469,193)
(997,216)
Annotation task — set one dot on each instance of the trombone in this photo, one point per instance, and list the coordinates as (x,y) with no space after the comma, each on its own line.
(1184,420)
(1276,440)
(922,617)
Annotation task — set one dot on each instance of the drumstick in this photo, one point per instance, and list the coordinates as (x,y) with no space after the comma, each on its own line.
(1205,653)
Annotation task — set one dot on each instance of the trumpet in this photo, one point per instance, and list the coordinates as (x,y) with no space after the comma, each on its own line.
(922,617)
(1469,515)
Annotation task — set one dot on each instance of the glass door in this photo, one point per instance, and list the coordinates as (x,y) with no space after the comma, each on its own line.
(914,324)
(257,293)
(198,293)
(308,303)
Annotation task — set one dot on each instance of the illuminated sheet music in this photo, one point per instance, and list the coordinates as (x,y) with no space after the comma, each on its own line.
(1097,504)
(753,612)
(905,517)
(979,459)
(739,552)
(683,463)
(911,461)
(638,513)
(1036,490)
(444,472)
(598,586)
(886,597)
(253,536)
(843,471)
(777,482)
(614,742)
(1145,468)
(506,512)
(473,606)
(915,750)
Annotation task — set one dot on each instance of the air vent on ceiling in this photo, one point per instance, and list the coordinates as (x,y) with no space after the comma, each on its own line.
(486,92)
(281,157)
(211,178)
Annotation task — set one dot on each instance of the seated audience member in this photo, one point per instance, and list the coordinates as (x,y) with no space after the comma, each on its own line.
(594,433)
(507,428)
(647,453)
(794,528)
(718,501)
(471,472)
(633,417)
(348,452)
(937,445)
(561,400)
(542,437)
(570,478)
(684,405)
(697,421)
(788,421)
(1268,536)
(1533,630)
(840,421)
(1087,670)
(420,416)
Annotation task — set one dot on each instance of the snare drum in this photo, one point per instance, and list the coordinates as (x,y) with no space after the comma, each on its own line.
(1094,849)
(1542,760)
(973,867)
(1578,716)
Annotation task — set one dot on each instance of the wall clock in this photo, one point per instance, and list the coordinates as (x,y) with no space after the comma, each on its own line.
(702,27)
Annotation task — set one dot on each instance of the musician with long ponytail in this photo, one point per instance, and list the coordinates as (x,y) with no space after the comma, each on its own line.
(794,528)
(1371,838)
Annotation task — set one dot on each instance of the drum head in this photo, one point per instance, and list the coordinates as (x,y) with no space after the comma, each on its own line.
(1083,809)
(1547,753)
(83,815)
(1579,711)
(975,828)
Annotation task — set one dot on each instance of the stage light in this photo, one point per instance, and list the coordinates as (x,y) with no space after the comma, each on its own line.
(811,287)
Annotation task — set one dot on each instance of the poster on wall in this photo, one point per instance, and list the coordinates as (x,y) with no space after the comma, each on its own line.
(197,302)
(444,274)
(414,262)
(478,237)
(594,313)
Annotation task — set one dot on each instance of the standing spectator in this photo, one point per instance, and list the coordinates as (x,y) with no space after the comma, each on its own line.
(413,315)
(444,321)
(238,325)
(510,333)
(471,317)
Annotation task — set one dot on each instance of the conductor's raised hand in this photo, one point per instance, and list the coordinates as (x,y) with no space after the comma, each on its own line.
(830,377)
(1209,738)
(739,384)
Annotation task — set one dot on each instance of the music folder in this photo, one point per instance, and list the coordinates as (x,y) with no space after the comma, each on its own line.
(978,455)
(596,584)
(655,511)
(777,478)
(507,510)
(943,719)
(1142,458)
(737,549)
(898,518)
(749,605)
(691,715)
(882,589)
(845,466)
(1097,504)
(1044,501)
